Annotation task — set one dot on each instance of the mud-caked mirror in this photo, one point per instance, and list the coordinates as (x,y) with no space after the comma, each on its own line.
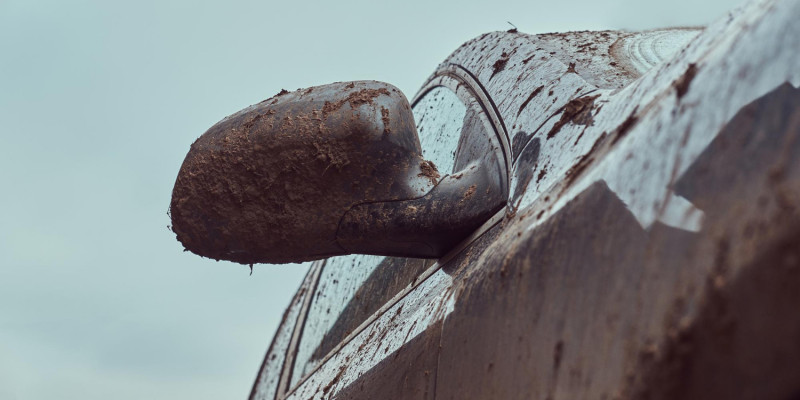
(324,171)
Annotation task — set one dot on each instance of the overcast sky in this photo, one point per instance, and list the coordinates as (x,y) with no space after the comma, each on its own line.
(99,102)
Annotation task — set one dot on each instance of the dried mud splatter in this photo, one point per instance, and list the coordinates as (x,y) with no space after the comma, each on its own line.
(577,111)
(528,100)
(429,171)
(624,127)
(355,99)
(499,65)
(385,119)
(541,174)
(571,68)
(470,191)
(682,84)
(577,170)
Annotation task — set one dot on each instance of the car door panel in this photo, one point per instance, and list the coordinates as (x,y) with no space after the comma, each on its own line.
(407,373)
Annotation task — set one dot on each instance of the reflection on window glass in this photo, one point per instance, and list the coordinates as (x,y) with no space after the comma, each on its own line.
(341,277)
(351,288)
(266,384)
(439,116)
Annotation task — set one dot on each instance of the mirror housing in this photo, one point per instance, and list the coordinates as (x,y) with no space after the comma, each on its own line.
(319,172)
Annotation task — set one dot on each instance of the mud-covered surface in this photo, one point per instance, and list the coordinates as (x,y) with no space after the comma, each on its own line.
(743,342)
(270,183)
(682,83)
(355,99)
(404,333)
(613,310)
(530,97)
(387,381)
(428,226)
(499,64)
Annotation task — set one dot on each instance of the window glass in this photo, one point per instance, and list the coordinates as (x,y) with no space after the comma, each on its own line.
(351,288)
(341,277)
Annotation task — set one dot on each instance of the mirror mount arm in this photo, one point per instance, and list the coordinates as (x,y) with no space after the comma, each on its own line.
(430,225)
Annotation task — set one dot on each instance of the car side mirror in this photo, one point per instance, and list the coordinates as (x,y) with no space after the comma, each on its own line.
(325,171)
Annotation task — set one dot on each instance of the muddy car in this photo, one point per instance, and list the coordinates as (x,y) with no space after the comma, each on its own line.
(583,215)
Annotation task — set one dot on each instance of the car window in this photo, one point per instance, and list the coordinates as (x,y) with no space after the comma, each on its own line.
(352,288)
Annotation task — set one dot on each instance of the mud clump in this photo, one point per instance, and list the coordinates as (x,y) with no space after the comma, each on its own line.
(355,99)
(429,171)
(528,100)
(577,111)
(571,68)
(499,64)
(541,174)
(624,127)
(365,96)
(385,119)
(270,183)
(577,170)
(274,98)
(682,84)
(470,192)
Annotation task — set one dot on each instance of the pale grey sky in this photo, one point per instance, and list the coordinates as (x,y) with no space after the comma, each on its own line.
(99,102)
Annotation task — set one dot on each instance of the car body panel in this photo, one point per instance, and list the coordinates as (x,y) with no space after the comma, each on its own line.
(651,221)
